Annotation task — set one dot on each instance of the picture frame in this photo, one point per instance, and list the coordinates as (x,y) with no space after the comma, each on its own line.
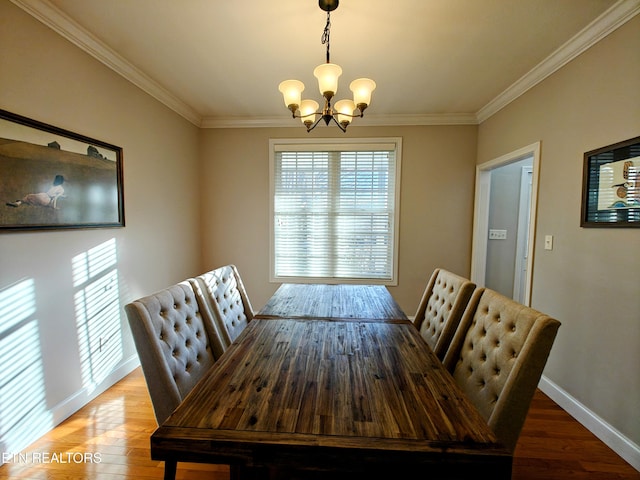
(611,186)
(54,179)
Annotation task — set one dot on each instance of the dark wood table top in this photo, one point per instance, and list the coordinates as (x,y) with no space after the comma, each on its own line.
(350,397)
(335,302)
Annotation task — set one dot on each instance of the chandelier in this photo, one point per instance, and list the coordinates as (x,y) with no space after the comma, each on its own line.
(343,111)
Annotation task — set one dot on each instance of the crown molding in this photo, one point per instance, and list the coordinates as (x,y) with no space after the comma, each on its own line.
(248,122)
(367,121)
(418,119)
(47,13)
(618,14)
(61,23)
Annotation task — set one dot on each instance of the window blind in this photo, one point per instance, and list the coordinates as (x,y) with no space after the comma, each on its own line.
(334,213)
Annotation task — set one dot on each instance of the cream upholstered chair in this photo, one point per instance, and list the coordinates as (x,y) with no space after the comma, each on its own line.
(174,343)
(497,357)
(223,292)
(441,309)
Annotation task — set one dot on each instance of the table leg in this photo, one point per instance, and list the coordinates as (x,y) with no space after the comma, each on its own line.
(234,472)
(170,467)
(242,472)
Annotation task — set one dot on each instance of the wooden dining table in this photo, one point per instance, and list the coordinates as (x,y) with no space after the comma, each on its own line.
(332,302)
(305,397)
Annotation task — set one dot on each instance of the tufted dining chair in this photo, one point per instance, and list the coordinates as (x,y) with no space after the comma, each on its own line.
(223,292)
(497,357)
(174,343)
(441,309)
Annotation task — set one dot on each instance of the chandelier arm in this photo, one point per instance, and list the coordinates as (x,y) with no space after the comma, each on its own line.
(358,115)
(339,124)
(315,124)
(307,115)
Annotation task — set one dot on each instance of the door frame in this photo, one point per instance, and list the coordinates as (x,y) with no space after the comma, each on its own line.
(481,214)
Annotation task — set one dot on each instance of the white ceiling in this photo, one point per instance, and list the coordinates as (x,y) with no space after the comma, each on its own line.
(219,62)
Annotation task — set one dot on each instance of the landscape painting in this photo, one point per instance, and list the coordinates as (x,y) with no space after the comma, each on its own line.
(52,178)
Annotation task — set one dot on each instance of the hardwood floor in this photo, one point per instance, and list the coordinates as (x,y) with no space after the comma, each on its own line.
(112,435)
(554,446)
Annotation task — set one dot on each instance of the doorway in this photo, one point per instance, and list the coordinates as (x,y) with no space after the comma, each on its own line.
(503,236)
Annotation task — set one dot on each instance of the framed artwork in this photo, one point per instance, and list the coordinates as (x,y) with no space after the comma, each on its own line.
(611,186)
(53,179)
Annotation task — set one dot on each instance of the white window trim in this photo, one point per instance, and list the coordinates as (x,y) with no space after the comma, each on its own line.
(292,144)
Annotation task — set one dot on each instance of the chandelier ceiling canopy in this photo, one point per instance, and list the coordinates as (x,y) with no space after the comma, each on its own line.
(343,111)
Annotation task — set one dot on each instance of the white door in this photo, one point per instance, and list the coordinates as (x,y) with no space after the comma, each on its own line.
(522,241)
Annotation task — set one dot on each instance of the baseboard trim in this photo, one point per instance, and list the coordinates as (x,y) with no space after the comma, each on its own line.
(70,405)
(63,410)
(611,437)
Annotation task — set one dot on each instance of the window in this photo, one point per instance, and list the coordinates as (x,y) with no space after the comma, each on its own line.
(334,210)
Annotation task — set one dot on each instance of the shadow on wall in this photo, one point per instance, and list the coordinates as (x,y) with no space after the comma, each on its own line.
(24,415)
(97,306)
(24,411)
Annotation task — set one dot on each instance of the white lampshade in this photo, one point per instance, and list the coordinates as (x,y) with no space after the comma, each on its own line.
(291,91)
(345,109)
(362,88)
(307,110)
(327,75)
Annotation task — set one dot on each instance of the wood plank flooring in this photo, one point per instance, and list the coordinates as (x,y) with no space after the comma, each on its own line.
(114,432)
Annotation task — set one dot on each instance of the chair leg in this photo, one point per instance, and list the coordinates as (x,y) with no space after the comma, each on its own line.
(170,467)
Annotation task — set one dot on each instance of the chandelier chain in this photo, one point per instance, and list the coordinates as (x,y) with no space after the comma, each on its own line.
(325,35)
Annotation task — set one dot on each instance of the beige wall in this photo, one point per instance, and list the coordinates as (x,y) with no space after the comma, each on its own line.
(590,280)
(436,202)
(44,77)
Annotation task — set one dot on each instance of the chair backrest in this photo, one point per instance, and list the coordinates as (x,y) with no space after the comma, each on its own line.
(441,308)
(173,341)
(497,357)
(224,294)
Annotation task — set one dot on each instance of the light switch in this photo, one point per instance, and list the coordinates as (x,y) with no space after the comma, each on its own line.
(548,242)
(497,234)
